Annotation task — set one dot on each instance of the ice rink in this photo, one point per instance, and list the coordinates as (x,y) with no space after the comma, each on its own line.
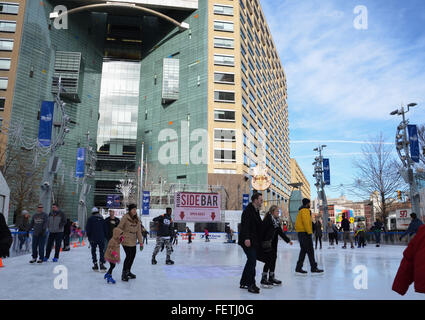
(204,271)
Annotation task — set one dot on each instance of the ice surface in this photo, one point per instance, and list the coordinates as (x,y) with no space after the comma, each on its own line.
(204,271)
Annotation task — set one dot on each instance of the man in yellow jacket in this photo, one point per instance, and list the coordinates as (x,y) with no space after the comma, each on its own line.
(304,229)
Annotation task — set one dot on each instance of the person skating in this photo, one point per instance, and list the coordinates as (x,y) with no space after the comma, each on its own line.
(6,239)
(377,227)
(318,232)
(267,252)
(360,233)
(206,234)
(131,226)
(175,237)
(249,240)
(96,233)
(189,235)
(145,235)
(23,225)
(57,221)
(331,234)
(165,229)
(413,226)
(39,222)
(345,226)
(66,235)
(303,227)
(112,253)
(111,223)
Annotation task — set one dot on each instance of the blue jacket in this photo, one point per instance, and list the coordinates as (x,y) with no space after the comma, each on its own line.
(96,228)
(413,227)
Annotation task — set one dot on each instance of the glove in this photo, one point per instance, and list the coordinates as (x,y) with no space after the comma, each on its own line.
(115,254)
(121,238)
(141,247)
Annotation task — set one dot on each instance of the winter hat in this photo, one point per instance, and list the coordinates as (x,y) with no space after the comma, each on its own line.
(25,212)
(131,206)
(94,210)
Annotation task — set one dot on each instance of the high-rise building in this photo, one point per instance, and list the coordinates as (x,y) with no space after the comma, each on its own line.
(198,83)
(297,176)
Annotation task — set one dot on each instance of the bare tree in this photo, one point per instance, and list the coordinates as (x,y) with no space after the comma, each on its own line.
(378,173)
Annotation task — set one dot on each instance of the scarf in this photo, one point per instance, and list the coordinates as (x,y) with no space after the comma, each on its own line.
(276,222)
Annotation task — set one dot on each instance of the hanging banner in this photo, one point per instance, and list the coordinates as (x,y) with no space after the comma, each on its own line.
(326,171)
(117,201)
(245,201)
(146,201)
(413,141)
(197,207)
(46,123)
(110,201)
(81,163)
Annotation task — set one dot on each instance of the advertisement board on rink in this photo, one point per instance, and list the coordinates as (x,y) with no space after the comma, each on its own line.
(197,207)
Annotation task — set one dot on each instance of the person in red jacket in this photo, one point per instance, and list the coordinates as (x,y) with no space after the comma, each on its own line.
(412,267)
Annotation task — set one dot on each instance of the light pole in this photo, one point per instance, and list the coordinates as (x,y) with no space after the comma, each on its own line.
(402,146)
(320,185)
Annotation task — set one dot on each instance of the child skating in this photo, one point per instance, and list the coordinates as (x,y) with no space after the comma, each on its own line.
(112,254)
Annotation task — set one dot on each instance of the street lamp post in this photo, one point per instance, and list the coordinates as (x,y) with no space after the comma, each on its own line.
(402,146)
(320,185)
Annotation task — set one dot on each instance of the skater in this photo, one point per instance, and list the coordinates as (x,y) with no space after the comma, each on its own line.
(412,266)
(165,229)
(335,230)
(189,235)
(377,227)
(413,227)
(345,226)
(331,234)
(39,222)
(175,237)
(24,223)
(303,227)
(267,253)
(97,232)
(130,226)
(360,234)
(112,254)
(145,234)
(111,223)
(6,239)
(66,235)
(318,232)
(207,239)
(249,240)
(57,221)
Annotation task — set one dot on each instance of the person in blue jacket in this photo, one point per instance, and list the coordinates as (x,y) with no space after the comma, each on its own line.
(97,232)
(413,226)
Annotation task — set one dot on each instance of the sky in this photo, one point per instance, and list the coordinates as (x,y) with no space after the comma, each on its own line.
(344,81)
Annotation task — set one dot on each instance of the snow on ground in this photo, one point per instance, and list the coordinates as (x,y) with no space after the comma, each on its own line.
(205,271)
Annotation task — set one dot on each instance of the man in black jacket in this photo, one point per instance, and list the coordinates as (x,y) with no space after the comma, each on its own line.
(345,226)
(249,240)
(165,230)
(96,233)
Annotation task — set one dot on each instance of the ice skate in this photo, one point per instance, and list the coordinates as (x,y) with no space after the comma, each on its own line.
(273,280)
(154,261)
(300,272)
(33,260)
(169,261)
(131,275)
(253,289)
(265,283)
(316,271)
(95,267)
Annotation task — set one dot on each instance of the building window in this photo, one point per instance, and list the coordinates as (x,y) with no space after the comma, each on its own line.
(243,85)
(252,130)
(221,77)
(224,135)
(243,67)
(224,96)
(6,44)
(245,160)
(244,121)
(251,113)
(224,155)
(224,10)
(245,139)
(3,83)
(9,8)
(253,148)
(243,51)
(227,43)
(4,64)
(224,115)
(225,60)
(2,103)
(223,26)
(7,26)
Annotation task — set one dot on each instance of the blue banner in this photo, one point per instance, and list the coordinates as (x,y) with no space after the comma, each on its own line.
(81,163)
(110,201)
(245,200)
(414,142)
(326,171)
(146,201)
(46,123)
(117,201)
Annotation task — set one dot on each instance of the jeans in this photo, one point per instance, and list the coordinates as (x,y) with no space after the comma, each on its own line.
(130,254)
(378,237)
(38,243)
(347,234)
(248,275)
(57,238)
(101,245)
(306,244)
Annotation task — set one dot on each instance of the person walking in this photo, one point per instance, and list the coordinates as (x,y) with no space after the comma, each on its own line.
(189,235)
(67,235)
(39,222)
(249,240)
(130,226)
(97,232)
(318,232)
(6,239)
(345,226)
(111,223)
(112,253)
(303,227)
(206,234)
(377,227)
(413,227)
(267,253)
(24,223)
(412,266)
(57,221)
(165,229)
